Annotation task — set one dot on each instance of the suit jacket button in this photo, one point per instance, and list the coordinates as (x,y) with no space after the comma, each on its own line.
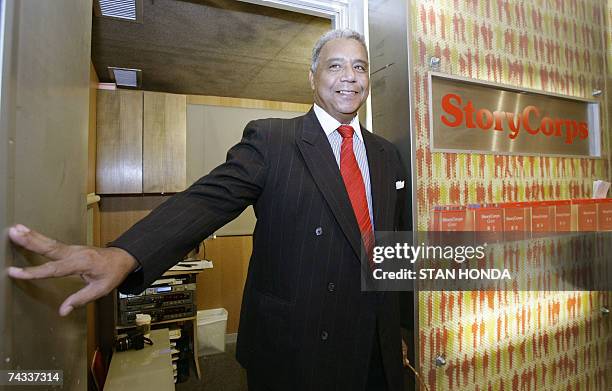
(324,335)
(319,231)
(331,287)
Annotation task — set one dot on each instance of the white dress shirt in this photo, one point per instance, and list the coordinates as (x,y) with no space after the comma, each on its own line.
(330,127)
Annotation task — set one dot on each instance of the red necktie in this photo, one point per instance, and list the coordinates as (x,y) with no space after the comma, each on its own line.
(353,181)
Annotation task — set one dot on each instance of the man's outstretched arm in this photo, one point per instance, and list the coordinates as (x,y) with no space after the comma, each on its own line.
(162,238)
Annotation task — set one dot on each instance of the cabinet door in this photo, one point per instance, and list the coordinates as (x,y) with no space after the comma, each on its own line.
(119,142)
(164,142)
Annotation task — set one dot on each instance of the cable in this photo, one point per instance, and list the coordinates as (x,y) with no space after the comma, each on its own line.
(418,376)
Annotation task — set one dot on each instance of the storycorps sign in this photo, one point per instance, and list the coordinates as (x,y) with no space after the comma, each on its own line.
(469,116)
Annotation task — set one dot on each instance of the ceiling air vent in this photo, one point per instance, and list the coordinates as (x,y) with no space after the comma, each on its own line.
(119,9)
(126,77)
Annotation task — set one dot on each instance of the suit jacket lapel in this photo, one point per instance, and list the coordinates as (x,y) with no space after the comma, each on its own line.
(322,165)
(378,167)
(377,164)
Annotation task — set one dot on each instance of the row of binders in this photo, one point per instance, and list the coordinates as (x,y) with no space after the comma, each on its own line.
(539,216)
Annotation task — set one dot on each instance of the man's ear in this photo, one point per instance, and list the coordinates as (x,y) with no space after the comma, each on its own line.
(311,80)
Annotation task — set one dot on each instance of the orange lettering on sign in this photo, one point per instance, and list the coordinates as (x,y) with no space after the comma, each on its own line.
(529,119)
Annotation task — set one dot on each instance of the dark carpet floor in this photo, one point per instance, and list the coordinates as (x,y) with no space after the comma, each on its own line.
(220,372)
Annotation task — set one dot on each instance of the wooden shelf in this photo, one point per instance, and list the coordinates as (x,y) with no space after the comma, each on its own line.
(146,369)
(191,318)
(181,272)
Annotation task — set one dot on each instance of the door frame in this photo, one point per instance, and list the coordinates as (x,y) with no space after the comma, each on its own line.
(343,13)
(7,117)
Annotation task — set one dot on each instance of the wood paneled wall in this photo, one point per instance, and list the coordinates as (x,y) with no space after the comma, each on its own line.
(118,213)
(246,103)
(119,138)
(163,142)
(222,286)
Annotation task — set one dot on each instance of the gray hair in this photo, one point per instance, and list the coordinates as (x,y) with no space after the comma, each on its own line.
(330,36)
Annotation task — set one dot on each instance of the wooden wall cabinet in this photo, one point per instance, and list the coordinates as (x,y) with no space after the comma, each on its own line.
(119,142)
(141,142)
(164,143)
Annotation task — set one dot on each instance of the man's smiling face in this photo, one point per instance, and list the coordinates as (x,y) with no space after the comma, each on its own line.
(341,80)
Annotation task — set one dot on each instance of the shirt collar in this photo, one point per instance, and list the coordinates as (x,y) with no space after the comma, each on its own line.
(330,124)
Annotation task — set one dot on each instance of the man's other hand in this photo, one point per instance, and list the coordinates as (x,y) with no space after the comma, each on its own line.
(102,269)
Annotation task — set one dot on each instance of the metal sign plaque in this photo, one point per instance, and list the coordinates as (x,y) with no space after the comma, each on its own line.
(482,117)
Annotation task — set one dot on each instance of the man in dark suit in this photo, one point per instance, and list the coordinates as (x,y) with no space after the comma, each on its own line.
(320,184)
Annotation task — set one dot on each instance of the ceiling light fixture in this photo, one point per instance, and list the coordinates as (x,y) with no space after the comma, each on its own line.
(126,77)
(119,9)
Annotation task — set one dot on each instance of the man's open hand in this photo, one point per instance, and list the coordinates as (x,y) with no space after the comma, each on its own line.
(103,269)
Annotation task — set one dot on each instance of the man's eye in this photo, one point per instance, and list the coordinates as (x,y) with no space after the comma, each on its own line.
(334,66)
(360,68)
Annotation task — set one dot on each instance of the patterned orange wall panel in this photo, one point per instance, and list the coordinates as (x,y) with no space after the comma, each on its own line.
(554,46)
(511,340)
(514,340)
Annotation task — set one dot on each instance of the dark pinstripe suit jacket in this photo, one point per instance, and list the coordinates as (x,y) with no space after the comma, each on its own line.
(305,324)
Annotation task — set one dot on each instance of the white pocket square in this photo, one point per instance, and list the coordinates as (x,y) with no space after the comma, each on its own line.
(399,185)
